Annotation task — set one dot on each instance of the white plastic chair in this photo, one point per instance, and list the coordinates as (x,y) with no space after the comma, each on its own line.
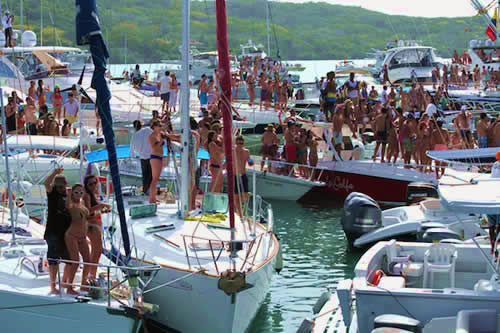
(440,258)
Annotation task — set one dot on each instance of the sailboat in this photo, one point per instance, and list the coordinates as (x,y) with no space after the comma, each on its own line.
(215,267)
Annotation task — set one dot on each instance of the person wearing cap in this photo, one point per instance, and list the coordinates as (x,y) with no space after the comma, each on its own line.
(462,125)
(58,222)
(7,22)
(71,111)
(270,142)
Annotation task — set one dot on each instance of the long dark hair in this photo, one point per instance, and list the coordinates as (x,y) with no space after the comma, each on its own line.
(93,200)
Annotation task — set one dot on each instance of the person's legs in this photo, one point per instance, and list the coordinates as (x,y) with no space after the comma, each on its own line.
(83,248)
(156,166)
(146,175)
(53,264)
(95,236)
(72,246)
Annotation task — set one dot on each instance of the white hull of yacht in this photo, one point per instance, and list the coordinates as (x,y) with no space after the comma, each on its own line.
(279,187)
(76,318)
(196,304)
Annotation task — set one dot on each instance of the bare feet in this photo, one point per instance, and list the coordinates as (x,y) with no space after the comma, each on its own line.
(71,291)
(54,291)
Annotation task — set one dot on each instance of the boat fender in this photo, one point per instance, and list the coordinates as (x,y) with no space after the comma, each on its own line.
(278,266)
(376,277)
(231,282)
(108,190)
(320,303)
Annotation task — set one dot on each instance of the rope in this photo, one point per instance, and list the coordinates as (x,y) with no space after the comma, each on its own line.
(77,301)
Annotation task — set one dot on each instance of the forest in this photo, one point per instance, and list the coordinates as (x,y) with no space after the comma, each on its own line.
(149,31)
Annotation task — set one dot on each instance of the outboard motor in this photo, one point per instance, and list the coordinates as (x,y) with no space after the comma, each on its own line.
(361,215)
(418,191)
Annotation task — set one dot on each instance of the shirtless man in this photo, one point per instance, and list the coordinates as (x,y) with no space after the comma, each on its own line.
(381,126)
(270,142)
(330,95)
(337,137)
(30,114)
(290,142)
(203,91)
(482,130)
(496,133)
(373,95)
(241,158)
(409,135)
(462,125)
(251,89)
(440,140)
(32,90)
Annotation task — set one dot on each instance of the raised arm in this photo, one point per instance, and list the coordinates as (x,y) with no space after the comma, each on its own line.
(50,179)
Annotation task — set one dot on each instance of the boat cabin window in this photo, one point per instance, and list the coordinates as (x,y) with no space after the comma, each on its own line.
(5,71)
(412,58)
(74,60)
(26,63)
(488,55)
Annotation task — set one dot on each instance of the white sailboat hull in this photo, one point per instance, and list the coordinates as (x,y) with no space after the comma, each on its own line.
(191,304)
(75,318)
(278,187)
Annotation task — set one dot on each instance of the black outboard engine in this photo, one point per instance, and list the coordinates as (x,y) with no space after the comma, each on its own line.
(418,191)
(361,215)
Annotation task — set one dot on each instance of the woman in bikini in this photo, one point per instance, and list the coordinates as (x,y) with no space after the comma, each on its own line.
(56,99)
(76,236)
(216,151)
(95,208)
(157,141)
(251,90)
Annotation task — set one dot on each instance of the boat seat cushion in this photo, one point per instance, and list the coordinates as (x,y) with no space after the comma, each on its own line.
(392,282)
(411,269)
(477,321)
(397,322)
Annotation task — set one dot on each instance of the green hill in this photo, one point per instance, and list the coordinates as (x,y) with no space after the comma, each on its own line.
(148,31)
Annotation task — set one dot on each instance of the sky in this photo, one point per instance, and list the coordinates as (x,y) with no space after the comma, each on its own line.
(424,8)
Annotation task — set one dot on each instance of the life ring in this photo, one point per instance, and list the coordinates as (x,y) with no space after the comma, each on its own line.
(376,277)
(107,189)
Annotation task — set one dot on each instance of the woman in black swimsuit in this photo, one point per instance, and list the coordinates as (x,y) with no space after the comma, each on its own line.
(157,141)
(10,115)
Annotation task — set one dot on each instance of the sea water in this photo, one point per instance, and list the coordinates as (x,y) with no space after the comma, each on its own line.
(316,256)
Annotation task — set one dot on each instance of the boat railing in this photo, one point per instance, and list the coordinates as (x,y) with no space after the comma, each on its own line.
(132,275)
(296,170)
(217,249)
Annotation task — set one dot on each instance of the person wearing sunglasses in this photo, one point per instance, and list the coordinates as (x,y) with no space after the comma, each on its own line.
(76,236)
(58,221)
(95,208)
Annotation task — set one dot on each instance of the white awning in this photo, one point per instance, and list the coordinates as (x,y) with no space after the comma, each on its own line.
(42,142)
(482,197)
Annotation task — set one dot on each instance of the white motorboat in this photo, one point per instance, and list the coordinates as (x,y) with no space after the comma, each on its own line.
(403,279)
(402,61)
(252,50)
(364,223)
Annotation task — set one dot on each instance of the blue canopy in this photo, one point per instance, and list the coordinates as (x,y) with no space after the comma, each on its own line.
(123,151)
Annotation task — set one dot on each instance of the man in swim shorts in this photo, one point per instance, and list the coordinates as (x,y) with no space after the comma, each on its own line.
(71,111)
(203,91)
(241,158)
(338,123)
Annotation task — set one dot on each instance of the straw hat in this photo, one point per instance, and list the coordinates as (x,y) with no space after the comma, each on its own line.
(270,127)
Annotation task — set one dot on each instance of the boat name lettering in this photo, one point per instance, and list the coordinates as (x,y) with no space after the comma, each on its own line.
(342,183)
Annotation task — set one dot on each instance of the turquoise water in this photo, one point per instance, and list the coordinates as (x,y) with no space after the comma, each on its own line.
(316,256)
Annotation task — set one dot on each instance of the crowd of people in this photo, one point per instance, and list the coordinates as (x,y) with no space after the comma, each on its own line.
(32,116)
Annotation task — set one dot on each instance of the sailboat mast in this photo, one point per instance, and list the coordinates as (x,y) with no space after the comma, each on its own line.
(268,29)
(225,83)
(6,157)
(22,22)
(184,109)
